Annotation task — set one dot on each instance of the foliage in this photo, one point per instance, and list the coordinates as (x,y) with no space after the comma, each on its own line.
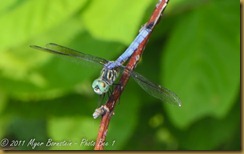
(194,51)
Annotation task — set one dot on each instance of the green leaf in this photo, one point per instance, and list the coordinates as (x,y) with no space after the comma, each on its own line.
(20,64)
(79,131)
(24,20)
(5,120)
(52,106)
(6,5)
(208,133)
(3,100)
(115,20)
(201,62)
(26,131)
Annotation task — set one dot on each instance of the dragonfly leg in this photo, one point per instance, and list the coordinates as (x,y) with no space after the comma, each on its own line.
(100,99)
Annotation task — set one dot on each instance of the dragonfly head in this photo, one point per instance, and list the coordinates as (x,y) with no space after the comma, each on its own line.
(100,86)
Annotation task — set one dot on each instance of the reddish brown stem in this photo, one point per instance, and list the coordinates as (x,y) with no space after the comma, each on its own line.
(111,103)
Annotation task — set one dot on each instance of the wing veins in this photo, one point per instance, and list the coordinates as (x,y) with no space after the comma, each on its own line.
(156,90)
(64,51)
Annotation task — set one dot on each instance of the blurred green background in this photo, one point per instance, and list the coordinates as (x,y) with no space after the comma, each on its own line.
(193,51)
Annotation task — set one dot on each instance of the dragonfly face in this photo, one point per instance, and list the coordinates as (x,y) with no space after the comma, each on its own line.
(107,78)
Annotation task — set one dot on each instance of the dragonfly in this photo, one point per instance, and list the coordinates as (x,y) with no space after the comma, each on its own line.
(108,76)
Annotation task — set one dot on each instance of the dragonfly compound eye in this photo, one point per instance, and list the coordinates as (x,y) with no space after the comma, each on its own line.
(100,87)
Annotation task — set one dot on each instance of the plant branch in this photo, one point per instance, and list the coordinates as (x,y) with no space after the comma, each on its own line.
(108,108)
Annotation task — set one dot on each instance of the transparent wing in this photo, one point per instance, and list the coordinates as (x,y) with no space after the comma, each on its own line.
(61,50)
(156,90)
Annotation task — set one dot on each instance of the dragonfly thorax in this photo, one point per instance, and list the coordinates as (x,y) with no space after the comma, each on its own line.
(107,78)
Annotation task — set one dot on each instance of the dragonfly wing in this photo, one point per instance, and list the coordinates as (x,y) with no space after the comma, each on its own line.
(156,90)
(61,50)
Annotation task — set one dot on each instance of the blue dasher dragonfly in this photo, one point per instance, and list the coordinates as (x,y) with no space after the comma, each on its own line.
(108,76)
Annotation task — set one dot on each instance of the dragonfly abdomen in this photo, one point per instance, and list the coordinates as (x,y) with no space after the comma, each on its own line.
(131,49)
